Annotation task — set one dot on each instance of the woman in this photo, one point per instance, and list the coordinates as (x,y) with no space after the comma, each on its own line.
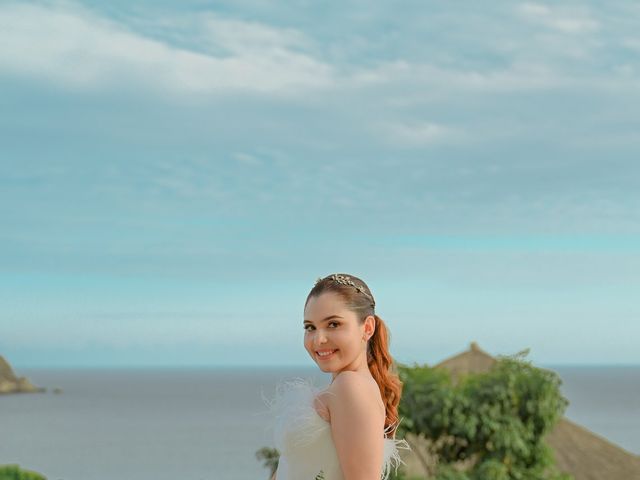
(340,433)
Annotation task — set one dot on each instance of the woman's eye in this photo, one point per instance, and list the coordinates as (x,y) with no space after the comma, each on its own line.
(306,327)
(334,323)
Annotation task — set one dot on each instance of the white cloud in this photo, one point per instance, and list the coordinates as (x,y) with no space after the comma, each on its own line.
(132,329)
(431,80)
(76,48)
(247,159)
(71,46)
(563,21)
(251,37)
(415,134)
(632,43)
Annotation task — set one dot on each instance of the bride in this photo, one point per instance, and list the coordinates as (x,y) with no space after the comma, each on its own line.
(346,431)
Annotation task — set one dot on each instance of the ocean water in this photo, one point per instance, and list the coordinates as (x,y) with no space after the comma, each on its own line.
(197,424)
(606,400)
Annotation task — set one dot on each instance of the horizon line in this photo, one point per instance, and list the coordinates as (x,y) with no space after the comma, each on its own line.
(267,366)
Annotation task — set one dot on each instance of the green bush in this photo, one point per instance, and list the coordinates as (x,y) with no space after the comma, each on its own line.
(13,472)
(447,472)
(495,421)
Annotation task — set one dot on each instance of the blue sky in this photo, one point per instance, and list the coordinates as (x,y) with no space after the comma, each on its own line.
(175,176)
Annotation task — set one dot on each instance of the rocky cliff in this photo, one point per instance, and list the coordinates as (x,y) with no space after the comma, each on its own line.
(9,383)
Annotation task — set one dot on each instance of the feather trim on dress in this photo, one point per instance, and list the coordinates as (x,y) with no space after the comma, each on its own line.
(304,439)
(392,449)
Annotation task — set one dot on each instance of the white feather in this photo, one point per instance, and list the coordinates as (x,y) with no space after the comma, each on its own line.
(304,438)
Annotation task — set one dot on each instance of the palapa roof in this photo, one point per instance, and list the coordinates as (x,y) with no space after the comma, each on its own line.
(474,360)
(588,456)
(577,450)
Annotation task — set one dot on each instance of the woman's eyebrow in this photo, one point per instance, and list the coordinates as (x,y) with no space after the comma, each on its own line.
(323,320)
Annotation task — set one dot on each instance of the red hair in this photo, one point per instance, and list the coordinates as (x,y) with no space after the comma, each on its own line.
(378,357)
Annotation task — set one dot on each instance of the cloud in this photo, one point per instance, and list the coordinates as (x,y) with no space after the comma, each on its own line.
(244,37)
(74,47)
(159,329)
(431,80)
(207,54)
(632,43)
(416,134)
(248,159)
(572,22)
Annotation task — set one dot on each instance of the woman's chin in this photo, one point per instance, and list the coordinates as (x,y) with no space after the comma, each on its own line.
(326,368)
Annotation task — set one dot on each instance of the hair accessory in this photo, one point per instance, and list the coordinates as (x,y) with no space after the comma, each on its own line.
(345,280)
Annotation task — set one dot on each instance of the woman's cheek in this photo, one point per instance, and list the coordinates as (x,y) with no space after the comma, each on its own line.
(307,341)
(341,337)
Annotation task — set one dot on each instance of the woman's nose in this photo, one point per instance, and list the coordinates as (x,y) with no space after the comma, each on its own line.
(321,338)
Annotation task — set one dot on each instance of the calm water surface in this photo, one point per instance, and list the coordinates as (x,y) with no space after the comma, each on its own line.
(163,424)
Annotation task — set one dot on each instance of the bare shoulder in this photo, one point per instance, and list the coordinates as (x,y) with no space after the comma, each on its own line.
(352,380)
(354,387)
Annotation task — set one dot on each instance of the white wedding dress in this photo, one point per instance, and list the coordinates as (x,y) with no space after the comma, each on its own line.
(304,439)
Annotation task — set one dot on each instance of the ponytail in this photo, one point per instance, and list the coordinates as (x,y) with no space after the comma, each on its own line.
(380,365)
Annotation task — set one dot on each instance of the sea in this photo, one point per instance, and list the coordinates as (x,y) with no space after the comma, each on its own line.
(208,423)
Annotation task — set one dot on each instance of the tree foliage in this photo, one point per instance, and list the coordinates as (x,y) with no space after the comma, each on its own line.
(269,457)
(483,426)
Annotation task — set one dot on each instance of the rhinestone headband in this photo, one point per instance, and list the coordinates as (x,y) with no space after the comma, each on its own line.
(345,280)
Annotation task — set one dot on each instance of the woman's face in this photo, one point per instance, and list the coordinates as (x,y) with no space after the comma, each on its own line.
(333,335)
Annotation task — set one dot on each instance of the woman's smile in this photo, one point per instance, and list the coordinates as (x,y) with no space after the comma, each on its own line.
(325,354)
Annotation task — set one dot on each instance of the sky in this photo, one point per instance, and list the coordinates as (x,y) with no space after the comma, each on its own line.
(175,175)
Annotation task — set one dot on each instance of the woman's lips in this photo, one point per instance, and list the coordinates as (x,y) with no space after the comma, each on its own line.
(325,357)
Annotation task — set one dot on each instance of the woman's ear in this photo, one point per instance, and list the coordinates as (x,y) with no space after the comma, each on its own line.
(369,326)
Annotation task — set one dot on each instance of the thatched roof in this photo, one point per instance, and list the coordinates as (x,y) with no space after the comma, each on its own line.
(474,360)
(588,456)
(578,451)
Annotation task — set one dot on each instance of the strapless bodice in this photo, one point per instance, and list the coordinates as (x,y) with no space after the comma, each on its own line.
(304,439)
